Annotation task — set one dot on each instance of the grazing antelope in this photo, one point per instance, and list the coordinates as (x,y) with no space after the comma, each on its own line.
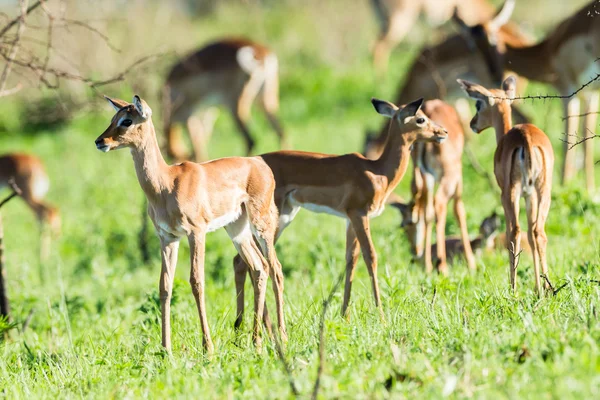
(30,176)
(434,72)
(191,199)
(523,164)
(434,163)
(229,72)
(348,186)
(396,18)
(567,58)
(486,240)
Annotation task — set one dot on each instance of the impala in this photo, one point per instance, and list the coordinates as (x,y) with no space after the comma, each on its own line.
(523,164)
(396,19)
(434,72)
(567,58)
(30,176)
(434,163)
(191,199)
(230,72)
(348,186)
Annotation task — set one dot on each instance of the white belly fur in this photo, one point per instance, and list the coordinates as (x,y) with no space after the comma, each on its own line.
(224,220)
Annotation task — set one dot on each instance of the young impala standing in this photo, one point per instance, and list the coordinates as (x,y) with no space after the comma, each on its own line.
(190,199)
(434,163)
(523,165)
(567,58)
(348,186)
(229,72)
(30,176)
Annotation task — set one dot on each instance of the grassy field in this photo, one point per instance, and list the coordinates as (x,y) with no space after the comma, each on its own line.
(95,328)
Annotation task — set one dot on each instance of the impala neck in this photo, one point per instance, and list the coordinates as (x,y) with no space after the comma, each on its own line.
(150,166)
(394,160)
(502,120)
(532,62)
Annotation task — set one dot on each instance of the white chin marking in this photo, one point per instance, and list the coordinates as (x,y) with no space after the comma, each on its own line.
(441,139)
(104,149)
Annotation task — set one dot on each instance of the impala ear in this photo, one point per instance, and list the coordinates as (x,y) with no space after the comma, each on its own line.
(411,109)
(116,103)
(476,91)
(142,107)
(510,87)
(384,108)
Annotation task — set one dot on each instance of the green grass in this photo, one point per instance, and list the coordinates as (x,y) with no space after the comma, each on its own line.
(95,329)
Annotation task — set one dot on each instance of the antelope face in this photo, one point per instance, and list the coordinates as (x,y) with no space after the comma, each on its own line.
(125,129)
(413,123)
(489,102)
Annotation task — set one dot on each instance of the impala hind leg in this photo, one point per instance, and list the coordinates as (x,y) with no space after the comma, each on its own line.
(510,203)
(241,270)
(540,228)
(168,253)
(200,129)
(531,202)
(441,212)
(352,252)
(197,282)
(241,236)
(242,106)
(360,224)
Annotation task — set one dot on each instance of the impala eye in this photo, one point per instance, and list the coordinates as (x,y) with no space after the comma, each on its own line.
(420,121)
(126,122)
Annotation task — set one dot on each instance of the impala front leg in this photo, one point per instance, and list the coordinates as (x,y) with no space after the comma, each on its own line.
(197,240)
(360,223)
(169,248)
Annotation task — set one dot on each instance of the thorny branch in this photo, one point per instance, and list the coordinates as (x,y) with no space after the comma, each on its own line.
(577,139)
(16,191)
(21,60)
(552,96)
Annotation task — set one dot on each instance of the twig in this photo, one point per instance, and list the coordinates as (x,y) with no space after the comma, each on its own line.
(322,337)
(15,46)
(580,115)
(579,140)
(15,192)
(551,96)
(27,320)
(13,22)
(554,291)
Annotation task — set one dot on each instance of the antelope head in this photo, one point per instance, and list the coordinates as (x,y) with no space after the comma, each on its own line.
(410,121)
(128,126)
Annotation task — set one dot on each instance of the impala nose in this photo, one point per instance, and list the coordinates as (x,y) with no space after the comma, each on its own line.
(98,142)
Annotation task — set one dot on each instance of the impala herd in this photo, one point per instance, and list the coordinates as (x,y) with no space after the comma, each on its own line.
(256,198)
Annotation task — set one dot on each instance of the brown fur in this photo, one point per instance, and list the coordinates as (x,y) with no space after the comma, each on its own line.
(523,164)
(213,75)
(349,186)
(188,199)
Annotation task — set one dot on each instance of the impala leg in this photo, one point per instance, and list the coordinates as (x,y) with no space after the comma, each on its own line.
(395,24)
(271,99)
(461,217)
(591,111)
(197,281)
(243,105)
(571,108)
(352,252)
(531,202)
(540,228)
(429,215)
(240,270)
(441,212)
(510,203)
(362,230)
(169,250)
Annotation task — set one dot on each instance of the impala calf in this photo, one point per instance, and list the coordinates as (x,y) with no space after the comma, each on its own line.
(523,164)
(191,199)
(435,163)
(348,186)
(30,176)
(230,72)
